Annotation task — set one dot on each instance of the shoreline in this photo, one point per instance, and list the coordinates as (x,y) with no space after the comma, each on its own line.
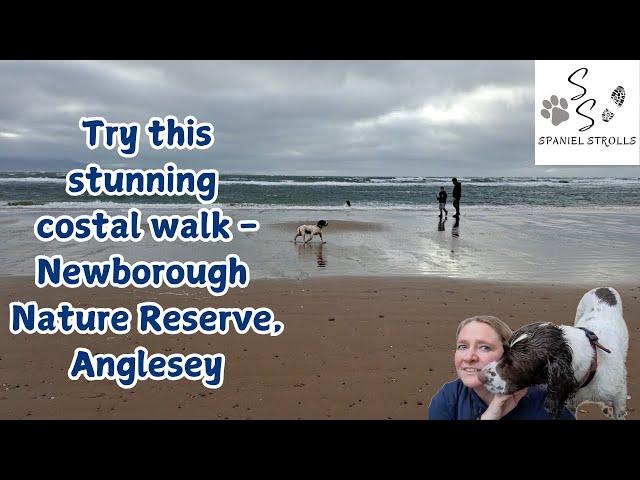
(352,348)
(624,284)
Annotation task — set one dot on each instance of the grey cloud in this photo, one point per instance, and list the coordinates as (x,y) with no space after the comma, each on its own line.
(280,117)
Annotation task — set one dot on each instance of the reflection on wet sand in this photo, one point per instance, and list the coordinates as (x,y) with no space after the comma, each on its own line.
(312,251)
(455,229)
(441,223)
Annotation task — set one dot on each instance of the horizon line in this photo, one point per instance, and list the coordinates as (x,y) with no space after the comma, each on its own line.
(355,176)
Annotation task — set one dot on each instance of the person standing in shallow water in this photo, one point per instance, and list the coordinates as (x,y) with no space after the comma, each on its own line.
(457,194)
(442,201)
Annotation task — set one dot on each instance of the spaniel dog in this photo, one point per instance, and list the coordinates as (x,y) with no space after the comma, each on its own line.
(311,230)
(580,363)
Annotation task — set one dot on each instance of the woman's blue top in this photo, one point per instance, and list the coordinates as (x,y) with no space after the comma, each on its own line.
(454,401)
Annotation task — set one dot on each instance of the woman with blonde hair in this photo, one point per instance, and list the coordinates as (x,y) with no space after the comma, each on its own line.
(479,341)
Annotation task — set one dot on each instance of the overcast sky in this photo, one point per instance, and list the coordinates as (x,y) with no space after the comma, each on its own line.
(412,118)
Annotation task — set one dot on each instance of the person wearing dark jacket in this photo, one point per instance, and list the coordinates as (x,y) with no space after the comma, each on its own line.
(457,193)
(481,340)
(442,201)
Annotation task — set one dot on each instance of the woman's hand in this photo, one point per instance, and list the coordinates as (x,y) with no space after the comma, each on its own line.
(500,405)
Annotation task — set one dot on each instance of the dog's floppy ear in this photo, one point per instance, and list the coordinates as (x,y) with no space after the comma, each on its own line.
(322,223)
(561,384)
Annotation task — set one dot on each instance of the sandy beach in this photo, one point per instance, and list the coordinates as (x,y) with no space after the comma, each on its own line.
(352,348)
(370,317)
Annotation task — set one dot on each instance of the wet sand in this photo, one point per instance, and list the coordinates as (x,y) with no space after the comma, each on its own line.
(353,348)
(542,245)
(335,226)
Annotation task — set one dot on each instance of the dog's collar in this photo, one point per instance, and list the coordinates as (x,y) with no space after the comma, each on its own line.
(593,340)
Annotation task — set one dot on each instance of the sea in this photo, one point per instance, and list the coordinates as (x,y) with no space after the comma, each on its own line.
(518,229)
(47,190)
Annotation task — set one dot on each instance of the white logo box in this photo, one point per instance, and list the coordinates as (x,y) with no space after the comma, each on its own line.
(606,143)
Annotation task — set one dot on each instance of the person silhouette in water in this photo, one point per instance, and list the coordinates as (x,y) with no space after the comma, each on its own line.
(442,201)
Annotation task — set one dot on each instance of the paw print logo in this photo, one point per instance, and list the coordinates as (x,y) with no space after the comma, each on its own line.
(557,114)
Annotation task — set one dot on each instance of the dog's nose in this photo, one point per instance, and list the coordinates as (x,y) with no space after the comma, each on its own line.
(482,376)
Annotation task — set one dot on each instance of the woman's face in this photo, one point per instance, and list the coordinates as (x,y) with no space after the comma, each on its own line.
(478,344)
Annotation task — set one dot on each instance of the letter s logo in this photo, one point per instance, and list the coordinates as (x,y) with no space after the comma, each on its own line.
(570,79)
(586,127)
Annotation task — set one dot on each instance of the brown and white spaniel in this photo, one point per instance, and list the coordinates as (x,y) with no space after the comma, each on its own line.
(582,363)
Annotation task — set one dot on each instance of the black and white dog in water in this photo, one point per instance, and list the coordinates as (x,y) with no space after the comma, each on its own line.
(580,363)
(311,230)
